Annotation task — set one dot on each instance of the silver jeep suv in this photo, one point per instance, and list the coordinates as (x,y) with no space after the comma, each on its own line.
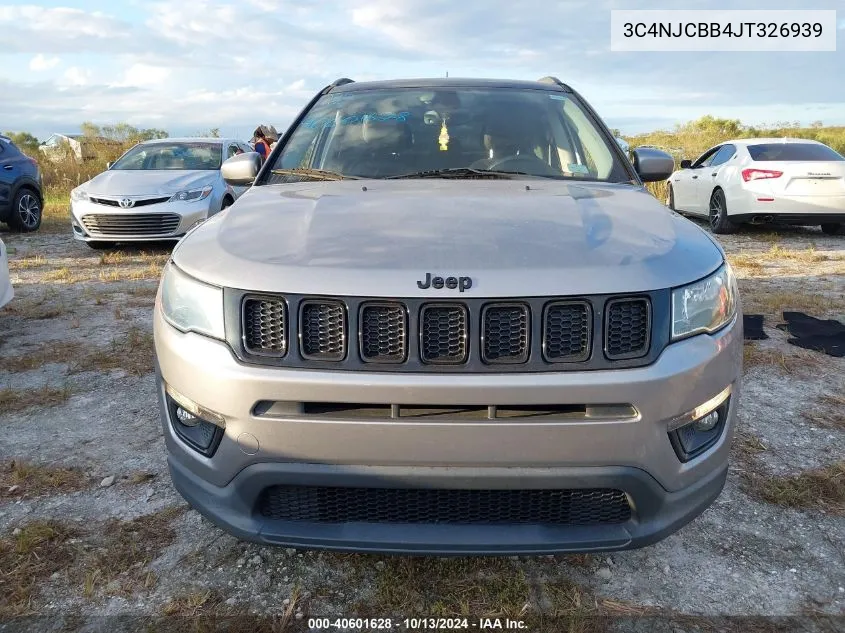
(447,318)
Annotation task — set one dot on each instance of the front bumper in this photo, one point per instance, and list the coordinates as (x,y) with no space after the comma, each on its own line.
(634,455)
(188,213)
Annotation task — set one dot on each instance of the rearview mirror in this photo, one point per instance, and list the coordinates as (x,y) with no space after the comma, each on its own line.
(652,164)
(686,164)
(241,169)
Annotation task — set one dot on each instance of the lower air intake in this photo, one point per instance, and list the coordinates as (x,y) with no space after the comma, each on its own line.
(315,504)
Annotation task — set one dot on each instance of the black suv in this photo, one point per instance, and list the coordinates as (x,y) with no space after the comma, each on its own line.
(21,199)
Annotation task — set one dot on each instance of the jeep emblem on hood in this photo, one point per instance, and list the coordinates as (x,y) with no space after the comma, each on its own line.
(462,283)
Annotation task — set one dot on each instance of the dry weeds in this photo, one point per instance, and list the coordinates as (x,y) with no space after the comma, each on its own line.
(24,479)
(820,489)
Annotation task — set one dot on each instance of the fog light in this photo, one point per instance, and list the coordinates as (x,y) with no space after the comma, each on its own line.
(698,430)
(196,426)
(707,422)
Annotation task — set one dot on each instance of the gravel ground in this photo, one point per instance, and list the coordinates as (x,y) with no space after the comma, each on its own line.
(744,557)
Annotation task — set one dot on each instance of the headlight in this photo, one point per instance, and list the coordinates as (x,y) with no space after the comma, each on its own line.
(78,194)
(193,194)
(706,305)
(191,305)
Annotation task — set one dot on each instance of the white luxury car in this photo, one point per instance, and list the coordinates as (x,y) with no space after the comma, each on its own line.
(762,180)
(6,290)
(157,190)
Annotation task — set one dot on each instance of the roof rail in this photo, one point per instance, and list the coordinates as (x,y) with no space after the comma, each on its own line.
(549,79)
(342,81)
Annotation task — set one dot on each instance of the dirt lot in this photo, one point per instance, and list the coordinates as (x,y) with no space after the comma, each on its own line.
(90,525)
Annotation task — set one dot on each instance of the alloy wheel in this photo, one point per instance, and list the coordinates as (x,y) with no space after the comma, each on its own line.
(28,211)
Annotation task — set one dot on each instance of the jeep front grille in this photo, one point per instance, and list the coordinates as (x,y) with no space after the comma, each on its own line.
(264,326)
(384,333)
(443,336)
(322,328)
(567,331)
(627,328)
(504,334)
(469,335)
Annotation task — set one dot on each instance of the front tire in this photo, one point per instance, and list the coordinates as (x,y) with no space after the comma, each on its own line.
(719,222)
(832,228)
(26,212)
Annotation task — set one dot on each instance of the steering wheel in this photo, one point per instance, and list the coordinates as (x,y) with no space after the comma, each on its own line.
(529,163)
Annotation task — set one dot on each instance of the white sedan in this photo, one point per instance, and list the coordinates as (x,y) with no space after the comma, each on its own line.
(763,180)
(6,290)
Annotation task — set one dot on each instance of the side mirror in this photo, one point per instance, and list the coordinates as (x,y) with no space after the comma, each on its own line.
(652,164)
(623,144)
(686,164)
(241,169)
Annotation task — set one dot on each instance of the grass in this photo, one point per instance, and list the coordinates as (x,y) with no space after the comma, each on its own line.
(14,400)
(753,355)
(133,352)
(450,587)
(34,480)
(126,549)
(28,559)
(830,412)
(25,263)
(820,489)
(762,298)
(51,352)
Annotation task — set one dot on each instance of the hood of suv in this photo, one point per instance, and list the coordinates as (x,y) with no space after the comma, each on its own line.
(510,237)
(158,182)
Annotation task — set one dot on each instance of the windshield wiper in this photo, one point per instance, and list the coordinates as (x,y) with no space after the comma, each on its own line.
(313,173)
(460,172)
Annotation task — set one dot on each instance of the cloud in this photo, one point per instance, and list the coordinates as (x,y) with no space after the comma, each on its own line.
(144,75)
(234,63)
(38,29)
(41,63)
(75,76)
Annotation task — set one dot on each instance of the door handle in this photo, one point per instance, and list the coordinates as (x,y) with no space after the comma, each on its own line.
(714,173)
(694,177)
(9,167)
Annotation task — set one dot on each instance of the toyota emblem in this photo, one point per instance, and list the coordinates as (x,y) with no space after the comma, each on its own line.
(127,203)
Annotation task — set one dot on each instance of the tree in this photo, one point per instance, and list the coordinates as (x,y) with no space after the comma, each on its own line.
(25,142)
(122,132)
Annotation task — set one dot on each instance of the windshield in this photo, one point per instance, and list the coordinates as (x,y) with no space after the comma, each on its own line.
(172,156)
(408,131)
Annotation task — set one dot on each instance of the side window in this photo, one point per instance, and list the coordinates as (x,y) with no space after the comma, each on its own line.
(706,158)
(723,155)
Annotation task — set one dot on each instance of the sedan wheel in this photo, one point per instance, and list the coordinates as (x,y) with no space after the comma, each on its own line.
(27,212)
(719,222)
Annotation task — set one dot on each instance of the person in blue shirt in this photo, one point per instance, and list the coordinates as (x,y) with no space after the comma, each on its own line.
(262,146)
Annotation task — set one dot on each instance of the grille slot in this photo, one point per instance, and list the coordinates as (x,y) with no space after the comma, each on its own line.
(627,328)
(313,504)
(566,331)
(443,334)
(322,330)
(265,326)
(505,337)
(138,203)
(131,224)
(383,329)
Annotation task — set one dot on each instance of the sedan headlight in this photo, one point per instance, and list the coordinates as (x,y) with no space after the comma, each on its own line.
(190,305)
(80,193)
(706,305)
(192,194)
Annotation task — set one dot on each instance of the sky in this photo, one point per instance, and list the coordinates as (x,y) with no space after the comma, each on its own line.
(191,65)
